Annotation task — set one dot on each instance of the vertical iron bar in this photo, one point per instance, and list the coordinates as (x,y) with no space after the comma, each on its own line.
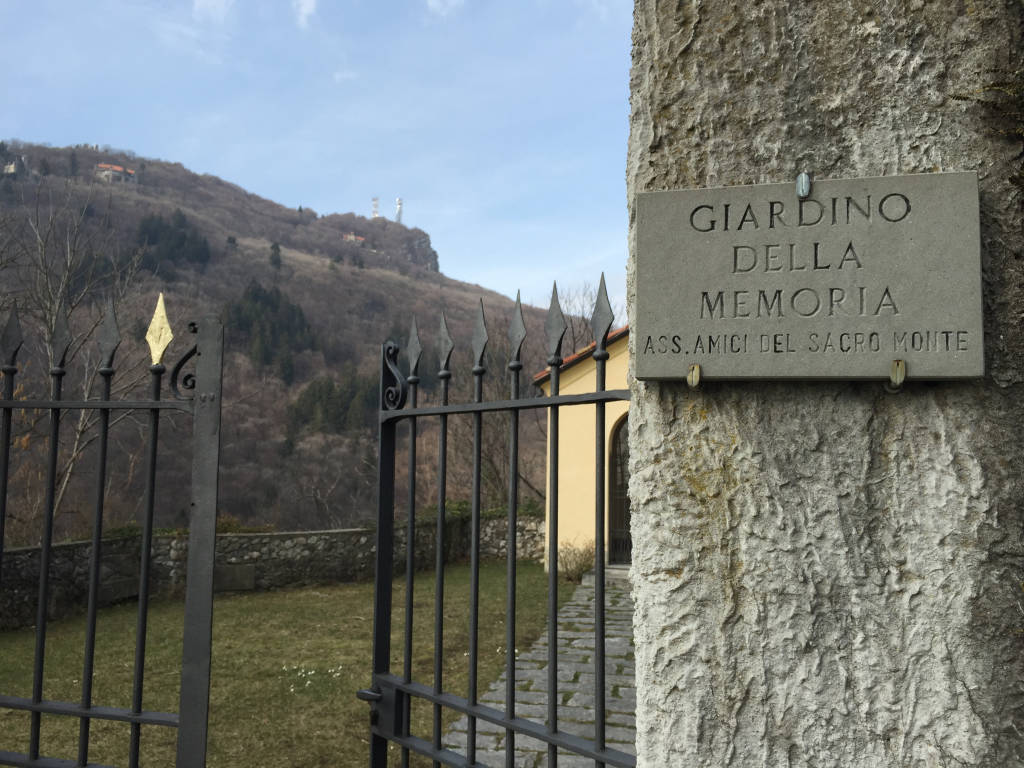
(5,455)
(57,374)
(194,704)
(384,574)
(555,364)
(384,577)
(94,568)
(142,616)
(600,358)
(474,564)
(442,475)
(510,580)
(410,563)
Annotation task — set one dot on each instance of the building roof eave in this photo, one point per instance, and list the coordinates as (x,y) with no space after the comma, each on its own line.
(579,357)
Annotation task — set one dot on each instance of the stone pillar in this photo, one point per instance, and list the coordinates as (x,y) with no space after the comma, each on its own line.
(826,574)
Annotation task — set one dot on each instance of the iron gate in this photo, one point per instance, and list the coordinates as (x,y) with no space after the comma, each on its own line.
(199,396)
(390,695)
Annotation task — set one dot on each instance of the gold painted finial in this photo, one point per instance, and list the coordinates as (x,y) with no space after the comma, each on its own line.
(159,335)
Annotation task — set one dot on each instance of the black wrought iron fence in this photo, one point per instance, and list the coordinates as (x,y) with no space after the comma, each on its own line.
(195,394)
(391,694)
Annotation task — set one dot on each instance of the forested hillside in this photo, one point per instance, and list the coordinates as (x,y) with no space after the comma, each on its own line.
(306,300)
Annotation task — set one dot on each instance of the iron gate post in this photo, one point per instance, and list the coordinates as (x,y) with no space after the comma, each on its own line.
(383,708)
(202,541)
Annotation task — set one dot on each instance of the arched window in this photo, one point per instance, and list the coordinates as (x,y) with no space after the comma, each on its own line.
(620,544)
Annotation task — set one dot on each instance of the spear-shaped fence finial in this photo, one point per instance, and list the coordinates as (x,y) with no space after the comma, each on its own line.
(445,345)
(11,339)
(555,327)
(479,341)
(60,341)
(159,335)
(414,349)
(109,336)
(516,334)
(601,321)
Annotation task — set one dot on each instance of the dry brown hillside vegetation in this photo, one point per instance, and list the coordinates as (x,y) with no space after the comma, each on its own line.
(307,301)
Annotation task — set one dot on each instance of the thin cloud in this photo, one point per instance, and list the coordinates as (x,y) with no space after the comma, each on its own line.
(211,10)
(303,10)
(344,74)
(601,9)
(443,7)
(199,42)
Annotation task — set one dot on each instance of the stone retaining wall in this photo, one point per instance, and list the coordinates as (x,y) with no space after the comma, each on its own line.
(244,561)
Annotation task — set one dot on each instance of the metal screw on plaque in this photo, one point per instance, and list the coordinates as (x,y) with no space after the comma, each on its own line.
(803,185)
(897,375)
(693,377)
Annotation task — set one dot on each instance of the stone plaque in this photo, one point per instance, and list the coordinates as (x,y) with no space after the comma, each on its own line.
(753,283)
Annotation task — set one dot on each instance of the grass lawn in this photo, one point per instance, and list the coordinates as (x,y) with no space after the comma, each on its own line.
(286,666)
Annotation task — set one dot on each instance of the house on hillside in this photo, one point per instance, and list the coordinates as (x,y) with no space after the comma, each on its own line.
(577,496)
(111,173)
(16,167)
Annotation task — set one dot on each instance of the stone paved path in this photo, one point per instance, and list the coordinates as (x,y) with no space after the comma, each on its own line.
(575,686)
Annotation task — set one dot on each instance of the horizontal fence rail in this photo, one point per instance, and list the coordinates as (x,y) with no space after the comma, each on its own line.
(197,395)
(391,695)
(609,396)
(96,405)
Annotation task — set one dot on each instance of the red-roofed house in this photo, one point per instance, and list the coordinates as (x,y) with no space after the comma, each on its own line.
(111,173)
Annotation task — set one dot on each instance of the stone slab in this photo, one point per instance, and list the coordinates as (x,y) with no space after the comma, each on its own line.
(575,694)
(234,578)
(114,590)
(751,283)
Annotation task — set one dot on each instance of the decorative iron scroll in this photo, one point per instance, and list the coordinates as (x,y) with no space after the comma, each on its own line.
(188,381)
(392,385)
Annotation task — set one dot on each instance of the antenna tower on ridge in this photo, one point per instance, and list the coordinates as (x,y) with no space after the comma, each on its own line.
(376,208)
(398,210)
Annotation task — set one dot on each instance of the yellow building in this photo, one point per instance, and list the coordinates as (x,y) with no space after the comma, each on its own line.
(576,461)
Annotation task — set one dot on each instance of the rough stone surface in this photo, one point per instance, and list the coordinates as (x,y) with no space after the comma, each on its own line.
(826,574)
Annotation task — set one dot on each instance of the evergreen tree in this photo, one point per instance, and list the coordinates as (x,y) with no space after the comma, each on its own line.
(272,329)
(167,243)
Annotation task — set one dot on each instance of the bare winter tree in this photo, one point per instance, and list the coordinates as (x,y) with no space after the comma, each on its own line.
(61,265)
(328,482)
(495,432)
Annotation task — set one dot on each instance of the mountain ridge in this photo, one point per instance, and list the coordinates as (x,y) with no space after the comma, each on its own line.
(228,251)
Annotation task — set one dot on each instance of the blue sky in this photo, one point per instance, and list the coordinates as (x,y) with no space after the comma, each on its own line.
(502,125)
